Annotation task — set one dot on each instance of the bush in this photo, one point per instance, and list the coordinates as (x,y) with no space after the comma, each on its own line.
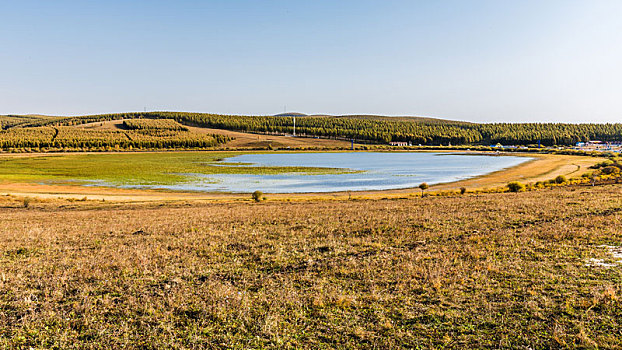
(424,186)
(610,170)
(462,190)
(516,186)
(26,202)
(258,196)
(560,179)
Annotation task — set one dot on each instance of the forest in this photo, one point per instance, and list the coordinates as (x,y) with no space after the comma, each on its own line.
(425,132)
(71,138)
(153,124)
(372,129)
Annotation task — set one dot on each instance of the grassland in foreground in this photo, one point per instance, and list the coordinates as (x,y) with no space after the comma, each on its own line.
(509,270)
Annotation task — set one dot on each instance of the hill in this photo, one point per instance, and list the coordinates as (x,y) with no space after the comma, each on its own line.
(8,121)
(363,128)
(290,114)
(413,119)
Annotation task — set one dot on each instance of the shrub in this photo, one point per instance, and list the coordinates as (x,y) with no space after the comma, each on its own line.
(462,190)
(258,196)
(610,170)
(602,164)
(560,179)
(26,202)
(424,186)
(516,186)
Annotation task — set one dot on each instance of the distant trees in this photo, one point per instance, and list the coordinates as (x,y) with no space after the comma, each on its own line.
(27,138)
(425,131)
(430,132)
(153,124)
(78,138)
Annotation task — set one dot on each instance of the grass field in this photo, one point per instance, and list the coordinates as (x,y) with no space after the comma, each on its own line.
(505,270)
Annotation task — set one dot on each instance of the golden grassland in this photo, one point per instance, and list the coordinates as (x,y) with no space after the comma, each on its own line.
(495,270)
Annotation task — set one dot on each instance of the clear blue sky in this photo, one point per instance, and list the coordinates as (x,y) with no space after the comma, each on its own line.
(475,60)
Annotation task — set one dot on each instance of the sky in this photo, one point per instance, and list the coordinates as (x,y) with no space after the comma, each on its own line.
(480,61)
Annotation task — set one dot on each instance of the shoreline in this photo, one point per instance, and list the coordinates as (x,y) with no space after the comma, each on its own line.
(542,167)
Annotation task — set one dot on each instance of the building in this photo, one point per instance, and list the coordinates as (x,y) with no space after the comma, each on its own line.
(601,146)
(399,143)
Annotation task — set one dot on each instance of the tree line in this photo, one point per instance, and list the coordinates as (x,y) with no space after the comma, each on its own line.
(422,131)
(153,124)
(63,137)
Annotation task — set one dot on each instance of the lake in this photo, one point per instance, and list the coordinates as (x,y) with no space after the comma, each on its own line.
(377,171)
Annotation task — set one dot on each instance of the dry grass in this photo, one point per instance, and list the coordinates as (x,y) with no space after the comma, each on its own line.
(243,140)
(487,271)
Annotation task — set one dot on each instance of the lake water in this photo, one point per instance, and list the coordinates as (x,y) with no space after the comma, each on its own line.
(380,171)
